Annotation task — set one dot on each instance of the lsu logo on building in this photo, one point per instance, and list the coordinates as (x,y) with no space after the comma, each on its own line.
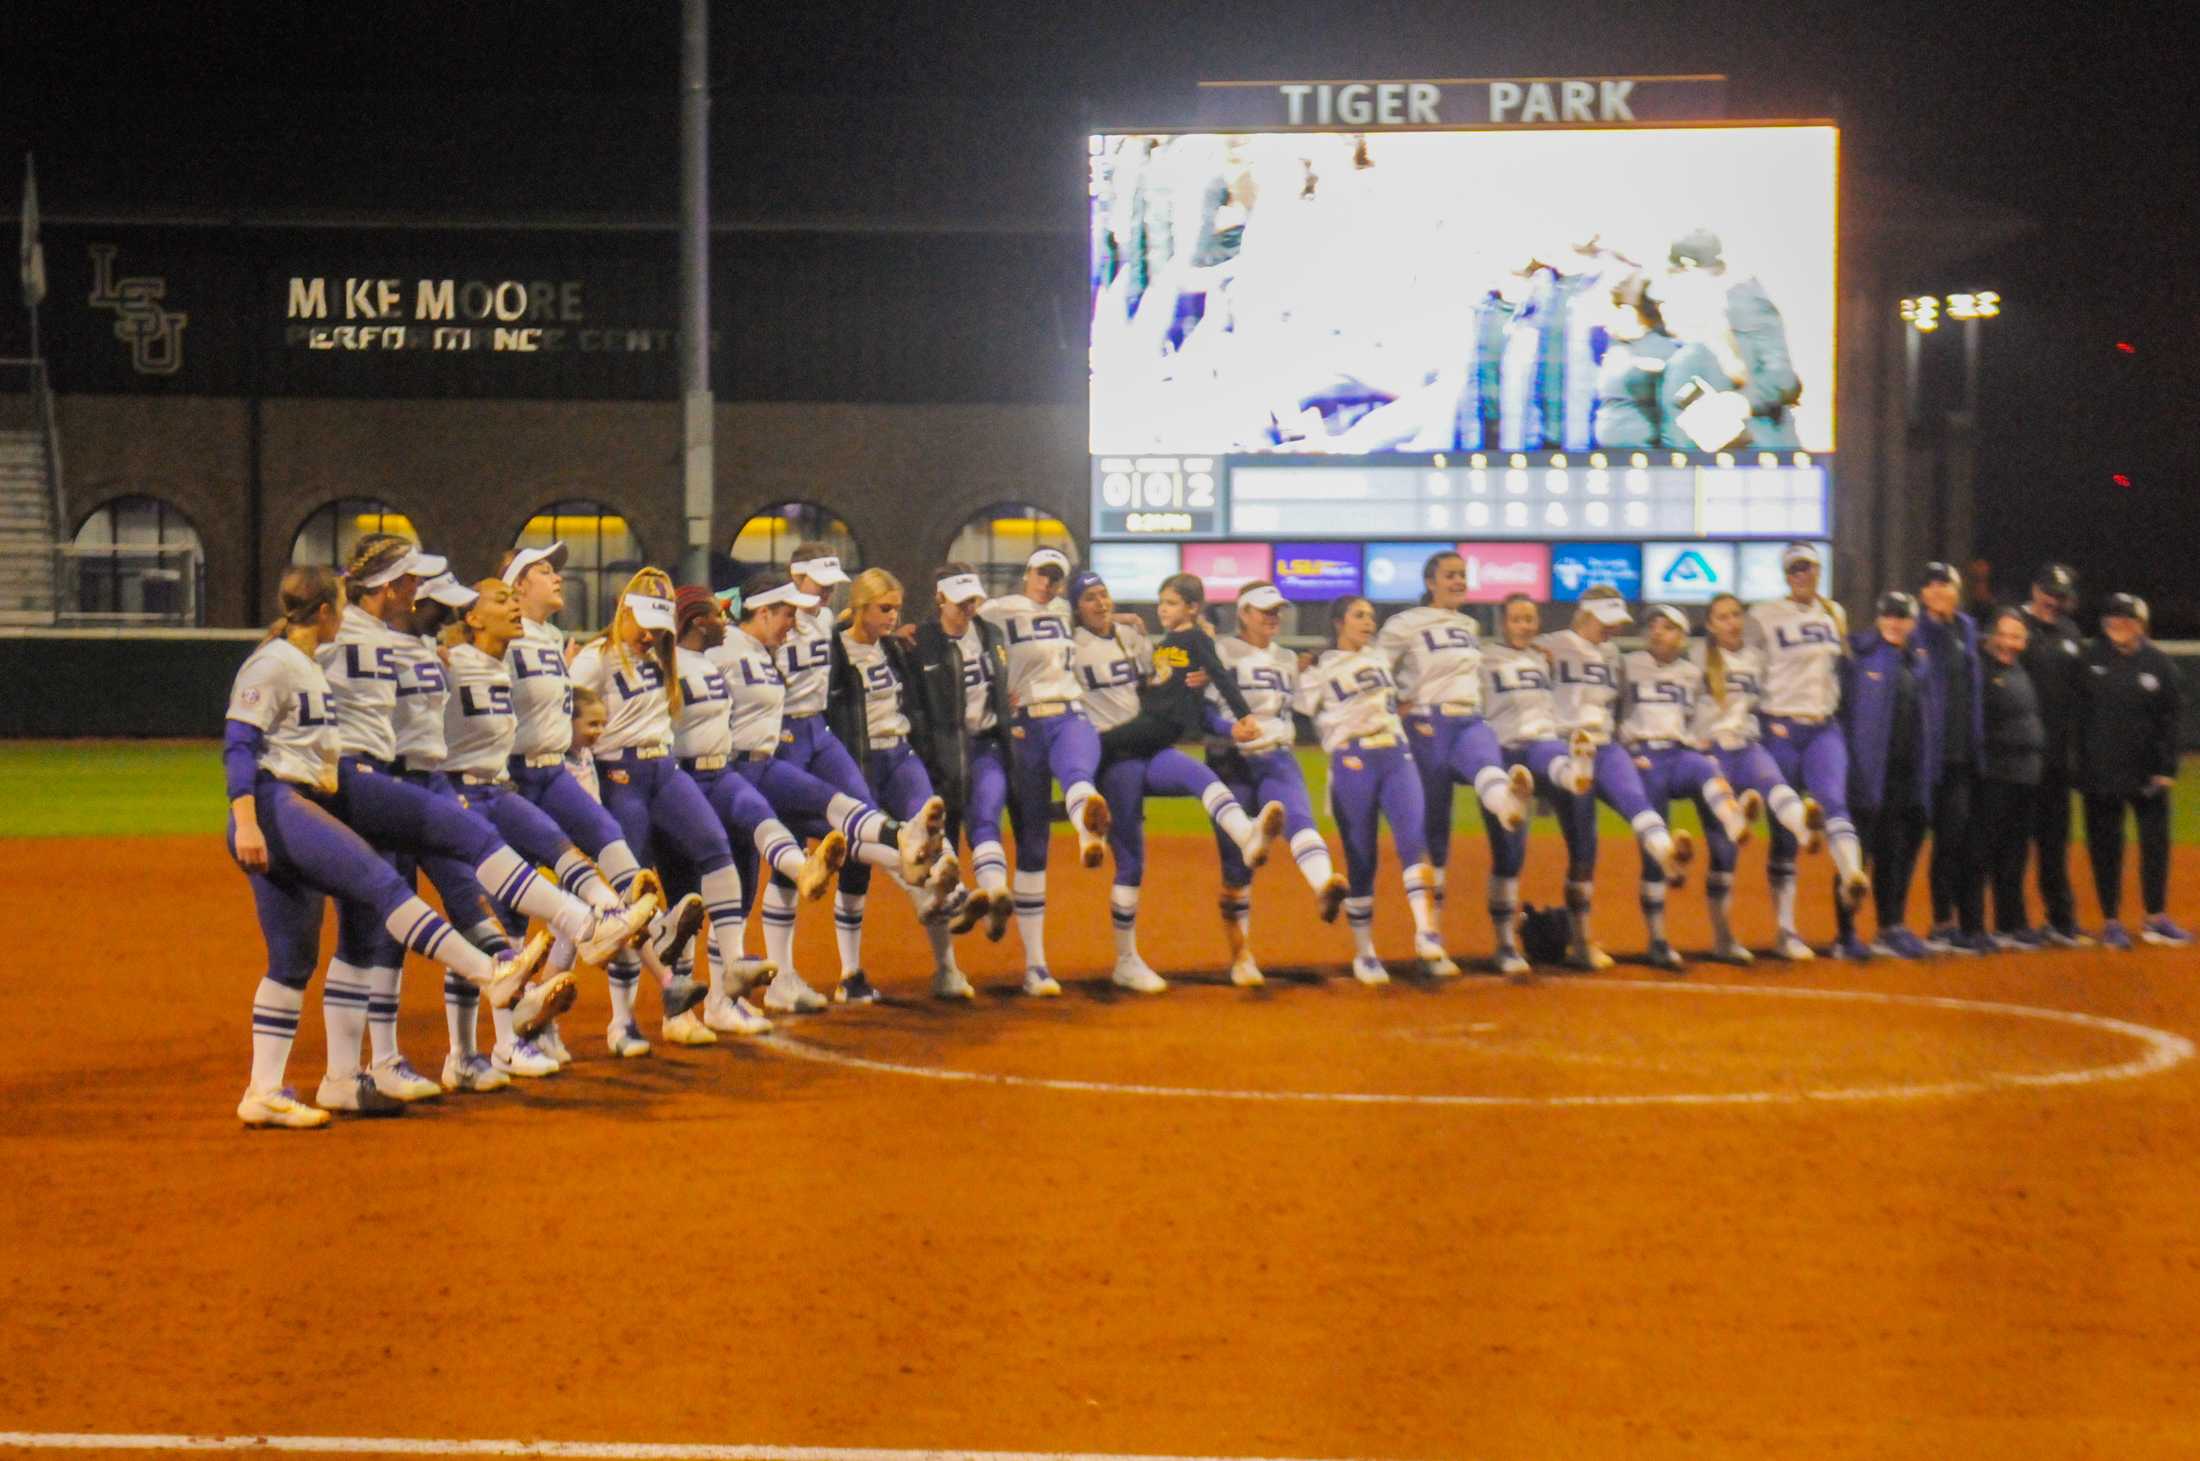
(153,332)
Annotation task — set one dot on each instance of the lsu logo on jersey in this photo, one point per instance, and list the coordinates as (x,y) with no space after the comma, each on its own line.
(808,654)
(879,679)
(1265,677)
(1450,637)
(648,676)
(530,661)
(1045,626)
(1593,672)
(497,701)
(1167,660)
(1114,673)
(310,713)
(357,666)
(1797,636)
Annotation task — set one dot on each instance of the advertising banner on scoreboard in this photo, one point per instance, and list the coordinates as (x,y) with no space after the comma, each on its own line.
(1227,567)
(1496,571)
(1315,572)
(1579,566)
(1687,573)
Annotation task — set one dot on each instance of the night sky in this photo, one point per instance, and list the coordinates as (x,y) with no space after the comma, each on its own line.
(2081,118)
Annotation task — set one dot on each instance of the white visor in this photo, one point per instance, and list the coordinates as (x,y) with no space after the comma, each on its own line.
(1612,612)
(650,611)
(961,587)
(1048,557)
(445,589)
(1669,614)
(416,563)
(527,558)
(1796,553)
(1267,596)
(786,593)
(818,570)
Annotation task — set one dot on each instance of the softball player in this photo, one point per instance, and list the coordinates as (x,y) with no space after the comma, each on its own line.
(399,816)
(750,660)
(1726,721)
(1516,694)
(1584,693)
(1661,692)
(1353,701)
(1051,740)
(1435,650)
(1112,661)
(1802,640)
(280,758)
(1264,770)
(962,663)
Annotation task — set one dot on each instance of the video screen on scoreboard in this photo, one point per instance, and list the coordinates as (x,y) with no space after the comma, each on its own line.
(1537,334)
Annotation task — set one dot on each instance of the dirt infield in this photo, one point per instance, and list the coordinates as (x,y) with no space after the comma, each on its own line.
(1597,1218)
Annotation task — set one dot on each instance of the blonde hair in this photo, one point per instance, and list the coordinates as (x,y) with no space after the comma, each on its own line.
(374,552)
(304,592)
(585,699)
(655,583)
(866,589)
(1592,593)
(1714,658)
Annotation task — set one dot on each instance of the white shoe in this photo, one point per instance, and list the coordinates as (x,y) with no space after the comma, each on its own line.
(687,1028)
(919,840)
(1039,984)
(525,1059)
(1738,815)
(820,866)
(1244,973)
(1735,953)
(1267,827)
(513,971)
(1792,947)
(1675,863)
(790,994)
(997,916)
(952,983)
(855,987)
(281,1109)
(1662,955)
(675,929)
(1854,888)
(1589,958)
(1329,901)
(614,930)
(735,1017)
(940,887)
(357,1094)
(1814,822)
(541,1002)
(1520,781)
(1435,963)
(1581,751)
(472,1072)
(972,911)
(396,1079)
(1092,830)
(1511,963)
(1369,970)
(549,1042)
(625,1041)
(1137,976)
(744,975)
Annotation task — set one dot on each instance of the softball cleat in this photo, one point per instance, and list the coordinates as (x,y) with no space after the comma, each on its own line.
(1588,958)
(1039,984)
(687,1028)
(551,1043)
(1793,947)
(1814,823)
(952,983)
(1330,900)
(1511,963)
(683,993)
(1675,863)
(855,987)
(472,1073)
(1369,970)
(735,1017)
(1267,827)
(514,968)
(1137,976)
(1244,973)
(1435,963)
(674,931)
(1092,830)
(613,931)
(355,1094)
(280,1110)
(1852,890)
(1581,753)
(744,975)
(1662,955)
(997,916)
(1735,815)
(790,994)
(625,1041)
(820,865)
(396,1079)
(973,911)
(524,1060)
(1736,953)
(940,887)
(1520,781)
(542,1002)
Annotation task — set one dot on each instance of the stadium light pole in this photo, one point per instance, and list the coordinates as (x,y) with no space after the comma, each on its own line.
(698,427)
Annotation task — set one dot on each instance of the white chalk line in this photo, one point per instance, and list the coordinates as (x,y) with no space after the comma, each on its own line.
(591,1450)
(2163,1051)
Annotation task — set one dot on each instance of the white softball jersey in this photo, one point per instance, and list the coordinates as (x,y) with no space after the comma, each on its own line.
(883,716)
(478,724)
(1110,668)
(282,691)
(1658,701)
(633,690)
(806,661)
(422,688)
(1350,695)
(704,726)
(759,691)
(1730,724)
(542,691)
(978,671)
(1516,695)
(362,673)
(1801,645)
(1267,678)
(1584,684)
(1039,650)
(1436,655)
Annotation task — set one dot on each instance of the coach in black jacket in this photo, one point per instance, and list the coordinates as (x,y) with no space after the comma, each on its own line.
(943,678)
(2016,755)
(2127,756)
(2051,662)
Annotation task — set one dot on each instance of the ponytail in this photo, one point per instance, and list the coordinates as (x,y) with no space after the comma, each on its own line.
(304,592)
(1714,657)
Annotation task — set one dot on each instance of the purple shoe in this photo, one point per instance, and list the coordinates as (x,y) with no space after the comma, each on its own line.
(1853,949)
(1900,943)
(2114,937)
(2021,941)
(2160,930)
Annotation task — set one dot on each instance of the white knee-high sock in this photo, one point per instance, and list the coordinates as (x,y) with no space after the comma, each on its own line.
(620,980)
(857,822)
(779,849)
(877,854)
(1504,904)
(848,929)
(1493,788)
(778,919)
(1123,914)
(1720,801)
(1579,901)
(421,929)
(382,987)
(461,1014)
(1031,916)
(1782,878)
(1228,815)
(727,910)
(1074,799)
(1651,832)
(1653,908)
(344,1014)
(578,876)
(1421,899)
(1236,905)
(1718,890)
(513,883)
(1312,856)
(989,866)
(1787,809)
(1359,916)
(275,1011)
(617,863)
(1848,853)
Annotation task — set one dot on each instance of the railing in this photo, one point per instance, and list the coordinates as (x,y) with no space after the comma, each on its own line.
(127,584)
(39,393)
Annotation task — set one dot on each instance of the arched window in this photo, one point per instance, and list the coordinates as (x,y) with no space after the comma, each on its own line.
(601,554)
(331,531)
(768,539)
(136,560)
(998,540)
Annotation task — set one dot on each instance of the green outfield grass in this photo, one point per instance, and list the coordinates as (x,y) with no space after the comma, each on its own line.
(174,788)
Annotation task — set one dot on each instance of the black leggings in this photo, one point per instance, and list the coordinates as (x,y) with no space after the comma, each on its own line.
(1958,895)
(2001,840)
(2104,836)
(1892,837)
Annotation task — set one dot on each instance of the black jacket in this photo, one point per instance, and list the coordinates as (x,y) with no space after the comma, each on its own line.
(2016,737)
(2051,659)
(2127,727)
(844,697)
(944,743)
